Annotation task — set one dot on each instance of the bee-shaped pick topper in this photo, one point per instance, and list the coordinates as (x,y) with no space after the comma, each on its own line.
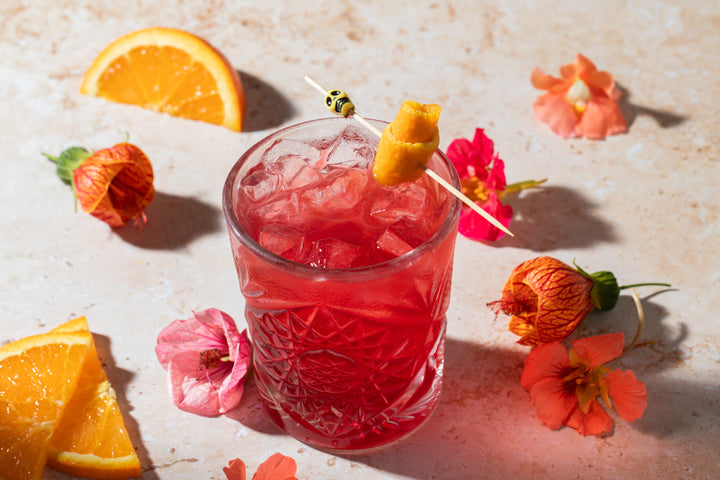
(338,102)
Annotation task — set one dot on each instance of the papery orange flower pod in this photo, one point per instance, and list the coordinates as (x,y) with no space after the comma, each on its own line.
(115,184)
(547,300)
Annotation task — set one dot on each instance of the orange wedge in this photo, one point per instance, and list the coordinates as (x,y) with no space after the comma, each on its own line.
(38,374)
(171,71)
(91,439)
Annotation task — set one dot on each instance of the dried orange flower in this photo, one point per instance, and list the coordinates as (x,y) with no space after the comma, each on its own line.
(277,467)
(582,103)
(548,299)
(113,184)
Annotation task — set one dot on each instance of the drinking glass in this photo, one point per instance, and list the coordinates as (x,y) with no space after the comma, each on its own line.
(346,358)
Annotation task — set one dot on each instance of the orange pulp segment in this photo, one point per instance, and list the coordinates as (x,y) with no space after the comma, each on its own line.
(38,375)
(172,71)
(407,144)
(91,439)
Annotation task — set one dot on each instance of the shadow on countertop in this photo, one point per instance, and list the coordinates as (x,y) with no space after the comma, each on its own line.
(631,111)
(174,221)
(265,106)
(554,217)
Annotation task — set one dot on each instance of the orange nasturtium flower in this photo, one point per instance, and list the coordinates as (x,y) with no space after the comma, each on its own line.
(277,467)
(113,184)
(564,386)
(582,103)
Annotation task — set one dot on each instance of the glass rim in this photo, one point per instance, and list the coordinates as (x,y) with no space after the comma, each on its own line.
(304,270)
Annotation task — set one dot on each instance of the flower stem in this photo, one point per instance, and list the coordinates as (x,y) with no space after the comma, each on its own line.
(641,321)
(645,285)
(516,187)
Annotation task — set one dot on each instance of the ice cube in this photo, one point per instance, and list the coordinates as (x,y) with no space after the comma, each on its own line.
(353,149)
(409,200)
(284,147)
(333,253)
(284,241)
(391,243)
(294,172)
(258,184)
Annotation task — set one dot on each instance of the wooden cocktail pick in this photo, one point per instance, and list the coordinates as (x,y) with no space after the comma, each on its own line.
(343,106)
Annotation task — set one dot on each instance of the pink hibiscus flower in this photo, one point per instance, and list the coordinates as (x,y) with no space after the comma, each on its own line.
(206,359)
(564,386)
(482,174)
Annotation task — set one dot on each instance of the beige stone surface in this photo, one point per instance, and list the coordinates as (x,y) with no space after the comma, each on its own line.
(643,205)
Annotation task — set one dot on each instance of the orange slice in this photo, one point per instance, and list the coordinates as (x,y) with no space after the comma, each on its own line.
(91,439)
(171,71)
(407,144)
(38,374)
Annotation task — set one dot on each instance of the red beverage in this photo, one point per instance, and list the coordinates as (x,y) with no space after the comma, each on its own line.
(346,283)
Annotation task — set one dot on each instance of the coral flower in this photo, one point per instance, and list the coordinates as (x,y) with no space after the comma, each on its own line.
(206,359)
(113,184)
(277,467)
(547,300)
(582,103)
(482,174)
(565,386)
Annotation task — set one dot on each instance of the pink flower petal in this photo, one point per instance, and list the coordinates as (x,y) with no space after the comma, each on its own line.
(602,118)
(554,110)
(627,393)
(544,361)
(235,470)
(600,349)
(553,403)
(595,422)
(472,225)
(277,467)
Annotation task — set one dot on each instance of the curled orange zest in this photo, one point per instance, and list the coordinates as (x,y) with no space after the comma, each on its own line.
(581,103)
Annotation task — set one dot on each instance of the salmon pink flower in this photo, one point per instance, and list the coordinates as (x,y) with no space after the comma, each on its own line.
(206,359)
(113,184)
(582,103)
(277,467)
(564,387)
(482,174)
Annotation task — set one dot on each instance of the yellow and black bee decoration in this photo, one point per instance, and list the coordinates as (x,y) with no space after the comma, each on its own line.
(338,102)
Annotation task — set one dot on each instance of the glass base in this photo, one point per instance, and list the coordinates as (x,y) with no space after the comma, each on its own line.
(337,431)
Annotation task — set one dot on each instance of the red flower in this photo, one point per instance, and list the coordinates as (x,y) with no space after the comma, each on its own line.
(547,300)
(113,184)
(482,174)
(583,103)
(277,467)
(564,386)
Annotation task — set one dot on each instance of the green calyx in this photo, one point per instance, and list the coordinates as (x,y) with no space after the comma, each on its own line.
(605,292)
(68,161)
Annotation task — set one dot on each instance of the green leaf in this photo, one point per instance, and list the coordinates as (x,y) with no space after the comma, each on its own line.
(68,161)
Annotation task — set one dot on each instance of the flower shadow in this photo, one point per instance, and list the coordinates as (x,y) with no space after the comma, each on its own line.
(265,106)
(555,217)
(120,379)
(631,111)
(174,221)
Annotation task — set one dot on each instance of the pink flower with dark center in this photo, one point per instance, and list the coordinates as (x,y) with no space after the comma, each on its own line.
(206,359)
(482,174)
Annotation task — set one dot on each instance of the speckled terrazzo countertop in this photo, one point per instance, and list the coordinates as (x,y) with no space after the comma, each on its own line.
(643,205)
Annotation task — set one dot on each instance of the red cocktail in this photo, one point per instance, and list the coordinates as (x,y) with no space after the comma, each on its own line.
(346,283)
